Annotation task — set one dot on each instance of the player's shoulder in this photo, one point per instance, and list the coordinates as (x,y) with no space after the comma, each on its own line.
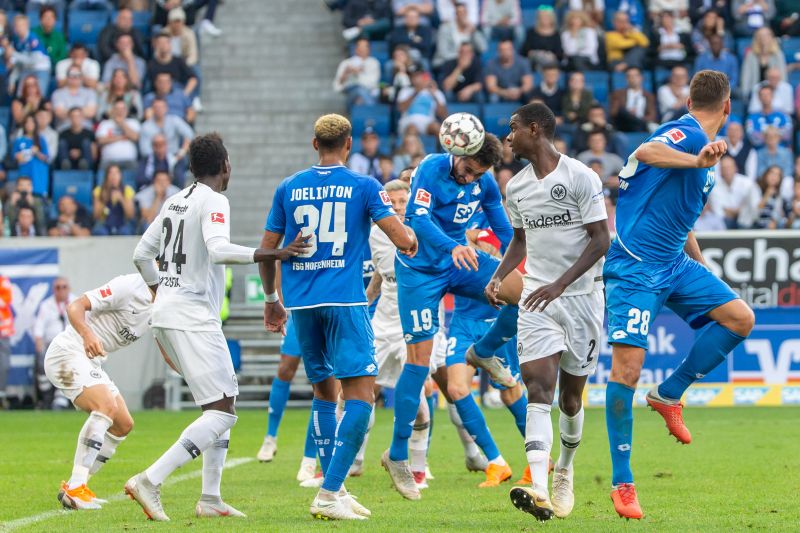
(578,172)
(434,165)
(517,181)
(685,130)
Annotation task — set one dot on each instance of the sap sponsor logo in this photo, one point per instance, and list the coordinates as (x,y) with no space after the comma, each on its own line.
(367,268)
(465,212)
(748,395)
(702,395)
(791,395)
(773,370)
(546,222)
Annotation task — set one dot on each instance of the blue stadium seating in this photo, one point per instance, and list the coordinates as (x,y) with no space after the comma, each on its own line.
(791,47)
(496,117)
(618,80)
(11,175)
(85,26)
(490,52)
(76,183)
(5,117)
(378,117)
(378,49)
(141,21)
(597,80)
(794,78)
(742,45)
(33,15)
(738,108)
(534,4)
(384,145)
(529,17)
(430,143)
(473,109)
(632,142)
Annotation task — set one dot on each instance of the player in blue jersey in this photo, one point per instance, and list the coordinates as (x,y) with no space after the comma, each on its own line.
(655,261)
(324,289)
(446,191)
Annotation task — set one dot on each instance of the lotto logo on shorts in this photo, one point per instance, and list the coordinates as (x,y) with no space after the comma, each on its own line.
(105,293)
(217,218)
(423,197)
(676,135)
(385,198)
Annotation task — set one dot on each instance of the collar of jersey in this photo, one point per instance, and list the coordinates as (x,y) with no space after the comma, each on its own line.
(327,166)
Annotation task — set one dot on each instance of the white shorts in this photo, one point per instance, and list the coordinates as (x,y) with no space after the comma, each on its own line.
(439,352)
(571,325)
(70,370)
(420,122)
(390,352)
(204,361)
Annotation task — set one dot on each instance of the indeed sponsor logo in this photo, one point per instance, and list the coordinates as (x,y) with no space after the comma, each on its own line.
(544,222)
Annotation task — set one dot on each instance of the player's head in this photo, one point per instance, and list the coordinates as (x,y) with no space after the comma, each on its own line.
(469,168)
(710,94)
(530,125)
(332,135)
(398,192)
(208,158)
(405,174)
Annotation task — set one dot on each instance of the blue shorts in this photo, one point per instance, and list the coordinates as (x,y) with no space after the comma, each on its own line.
(465,332)
(419,293)
(336,341)
(636,291)
(290,346)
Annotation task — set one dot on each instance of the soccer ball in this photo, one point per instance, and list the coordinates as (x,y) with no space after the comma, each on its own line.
(461,134)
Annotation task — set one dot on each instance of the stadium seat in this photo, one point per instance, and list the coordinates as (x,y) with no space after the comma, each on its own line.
(661,76)
(473,109)
(11,175)
(76,183)
(33,16)
(632,142)
(5,117)
(738,108)
(529,17)
(384,144)
(496,117)
(85,26)
(794,78)
(129,178)
(490,52)
(618,80)
(597,81)
(378,117)
(791,47)
(742,45)
(534,4)
(430,143)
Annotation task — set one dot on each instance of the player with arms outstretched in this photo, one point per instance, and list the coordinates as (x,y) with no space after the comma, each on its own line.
(324,289)
(655,261)
(190,243)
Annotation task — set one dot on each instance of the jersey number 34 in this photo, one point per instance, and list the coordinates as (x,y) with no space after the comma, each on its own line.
(333,214)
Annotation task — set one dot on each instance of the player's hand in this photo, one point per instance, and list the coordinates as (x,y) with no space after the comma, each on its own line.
(491,291)
(465,257)
(275,318)
(541,297)
(297,247)
(711,154)
(93,346)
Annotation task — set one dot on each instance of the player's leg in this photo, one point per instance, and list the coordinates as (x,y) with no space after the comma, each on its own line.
(430,402)
(418,443)
(514,398)
(278,397)
(308,464)
(123,424)
(473,457)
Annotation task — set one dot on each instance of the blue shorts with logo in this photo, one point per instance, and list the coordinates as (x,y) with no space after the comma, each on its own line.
(336,341)
(637,290)
(464,332)
(419,293)
(289,345)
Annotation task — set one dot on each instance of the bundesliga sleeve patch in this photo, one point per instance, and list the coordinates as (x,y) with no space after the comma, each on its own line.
(423,197)
(676,135)
(105,292)
(217,218)
(385,198)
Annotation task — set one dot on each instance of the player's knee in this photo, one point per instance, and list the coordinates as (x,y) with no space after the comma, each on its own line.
(627,374)
(123,424)
(540,393)
(742,321)
(456,391)
(287,369)
(569,404)
(106,407)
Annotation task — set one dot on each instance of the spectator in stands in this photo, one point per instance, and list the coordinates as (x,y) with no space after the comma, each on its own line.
(30,152)
(787,18)
(23,196)
(782,97)
(192,7)
(29,101)
(123,25)
(120,88)
(712,23)
(773,154)
(152,198)
(632,8)
(717,58)
(549,90)
(358,76)
(77,149)
(44,120)
(72,221)
(366,161)
(734,197)
(672,95)
(177,132)
(633,108)
(751,15)
(671,47)
(611,163)
(114,210)
(27,56)
(461,78)
(452,34)
(386,169)
(419,38)
(542,44)
(446,11)
(597,119)
(424,8)
(787,187)
(740,149)
(164,61)
(395,72)
(508,76)
(410,150)
(502,20)
(709,220)
(422,105)
(579,42)
(79,56)
(26,225)
(770,207)
(178,103)
(125,59)
(160,160)
(73,94)
(757,122)
(678,10)
(54,41)
(577,101)
(183,38)
(765,53)
(370,18)
(117,137)
(792,207)
(625,45)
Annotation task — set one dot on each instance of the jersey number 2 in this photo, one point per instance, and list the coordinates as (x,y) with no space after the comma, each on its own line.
(178,257)
(332,212)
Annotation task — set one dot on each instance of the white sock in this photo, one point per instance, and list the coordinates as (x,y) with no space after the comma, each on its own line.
(363,450)
(470,448)
(196,438)
(213,462)
(110,443)
(538,441)
(418,443)
(90,441)
(571,429)
(498,461)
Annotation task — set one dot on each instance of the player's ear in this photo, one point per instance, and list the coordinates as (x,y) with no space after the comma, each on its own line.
(349,144)
(315,144)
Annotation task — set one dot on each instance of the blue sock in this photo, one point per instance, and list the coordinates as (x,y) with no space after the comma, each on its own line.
(310,449)
(520,411)
(475,424)
(324,421)
(619,423)
(278,396)
(709,350)
(349,437)
(502,330)
(406,404)
(431,408)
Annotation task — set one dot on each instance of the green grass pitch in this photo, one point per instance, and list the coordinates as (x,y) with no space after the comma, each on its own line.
(742,472)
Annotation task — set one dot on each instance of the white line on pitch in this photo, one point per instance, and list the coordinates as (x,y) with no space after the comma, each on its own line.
(28,520)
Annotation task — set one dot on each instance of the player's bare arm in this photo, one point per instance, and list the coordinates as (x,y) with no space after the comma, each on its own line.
(514,255)
(298,246)
(599,241)
(76,313)
(374,287)
(274,314)
(692,248)
(659,155)
(401,235)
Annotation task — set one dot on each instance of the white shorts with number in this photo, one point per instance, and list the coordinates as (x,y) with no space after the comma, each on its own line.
(571,325)
(70,370)
(204,361)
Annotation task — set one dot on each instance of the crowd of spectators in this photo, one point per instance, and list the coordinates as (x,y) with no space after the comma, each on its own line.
(611,70)
(98,99)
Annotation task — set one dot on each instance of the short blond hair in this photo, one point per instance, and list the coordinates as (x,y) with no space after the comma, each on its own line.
(397,185)
(332,131)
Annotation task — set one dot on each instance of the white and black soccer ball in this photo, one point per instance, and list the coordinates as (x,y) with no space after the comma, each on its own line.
(461,134)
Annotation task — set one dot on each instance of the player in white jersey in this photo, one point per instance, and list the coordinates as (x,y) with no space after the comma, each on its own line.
(557,210)
(190,242)
(101,322)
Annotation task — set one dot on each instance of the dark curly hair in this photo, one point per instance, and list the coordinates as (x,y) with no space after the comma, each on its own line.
(490,154)
(207,155)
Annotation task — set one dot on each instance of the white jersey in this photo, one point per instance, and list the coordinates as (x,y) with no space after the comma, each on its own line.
(387,314)
(191,287)
(553,211)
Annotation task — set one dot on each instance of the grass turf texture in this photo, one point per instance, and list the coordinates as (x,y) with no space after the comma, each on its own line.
(740,472)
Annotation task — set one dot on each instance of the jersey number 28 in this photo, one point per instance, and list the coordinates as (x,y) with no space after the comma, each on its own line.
(312,220)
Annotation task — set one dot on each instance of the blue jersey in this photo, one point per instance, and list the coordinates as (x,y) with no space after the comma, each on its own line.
(440,210)
(335,205)
(657,207)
